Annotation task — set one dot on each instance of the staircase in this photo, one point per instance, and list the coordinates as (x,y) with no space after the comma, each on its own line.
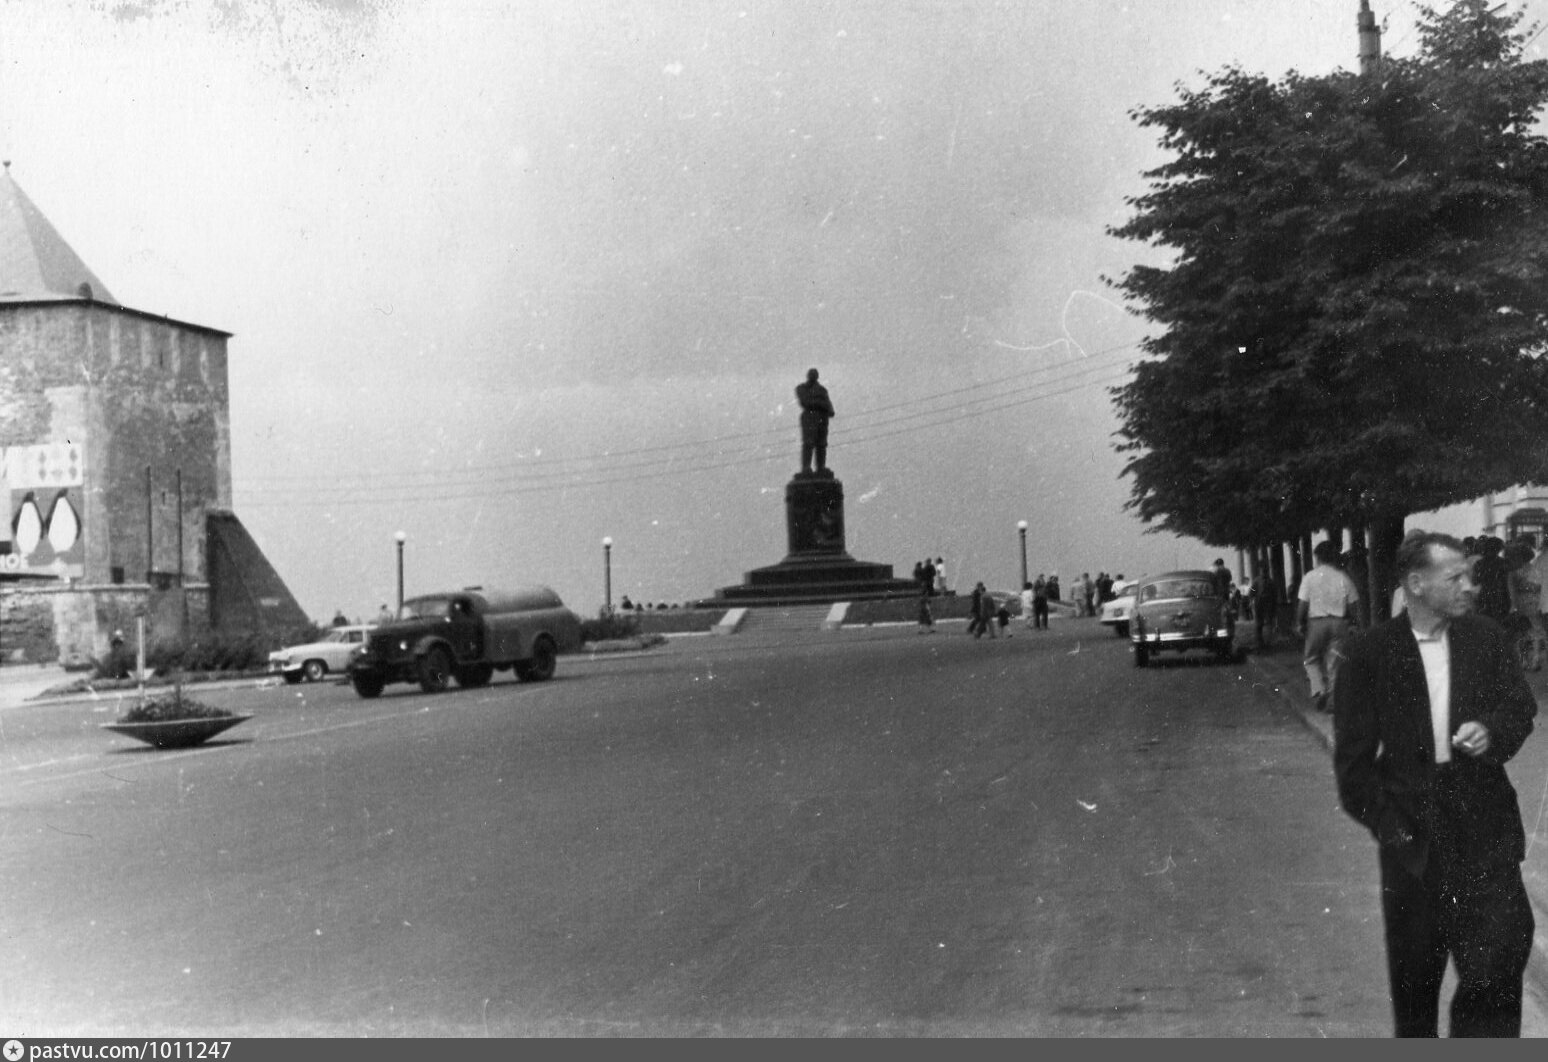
(794,618)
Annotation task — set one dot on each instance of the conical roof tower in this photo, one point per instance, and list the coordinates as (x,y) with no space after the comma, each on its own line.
(36,264)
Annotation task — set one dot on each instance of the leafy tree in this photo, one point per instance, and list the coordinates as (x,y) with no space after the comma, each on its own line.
(1356,294)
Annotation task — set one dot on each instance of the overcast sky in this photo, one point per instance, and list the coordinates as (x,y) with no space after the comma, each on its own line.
(512,277)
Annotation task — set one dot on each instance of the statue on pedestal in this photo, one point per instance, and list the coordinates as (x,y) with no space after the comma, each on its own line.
(816,411)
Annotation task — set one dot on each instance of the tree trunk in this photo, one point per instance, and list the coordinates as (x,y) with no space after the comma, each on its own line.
(1385,534)
(1297,569)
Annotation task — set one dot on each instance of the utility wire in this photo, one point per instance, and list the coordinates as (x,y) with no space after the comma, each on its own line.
(775,438)
(485,478)
(349,496)
(758,440)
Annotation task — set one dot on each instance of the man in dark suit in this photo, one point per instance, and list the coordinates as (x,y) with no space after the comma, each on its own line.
(1427,710)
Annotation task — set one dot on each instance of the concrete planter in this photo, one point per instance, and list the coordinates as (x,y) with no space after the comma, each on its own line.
(177,733)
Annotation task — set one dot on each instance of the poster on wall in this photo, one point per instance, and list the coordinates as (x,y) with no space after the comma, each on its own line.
(42,495)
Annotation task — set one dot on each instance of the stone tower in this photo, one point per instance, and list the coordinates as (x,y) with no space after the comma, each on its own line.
(115,463)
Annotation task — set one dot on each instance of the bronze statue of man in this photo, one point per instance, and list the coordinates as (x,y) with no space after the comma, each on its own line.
(816,411)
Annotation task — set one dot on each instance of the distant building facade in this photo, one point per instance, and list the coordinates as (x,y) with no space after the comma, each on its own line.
(115,464)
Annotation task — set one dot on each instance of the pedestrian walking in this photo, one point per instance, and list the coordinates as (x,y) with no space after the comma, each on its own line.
(926,617)
(1492,579)
(1028,606)
(986,612)
(1327,604)
(1525,624)
(940,576)
(1428,709)
(1222,576)
(1265,610)
(1040,603)
(927,577)
(974,600)
(982,620)
(1537,571)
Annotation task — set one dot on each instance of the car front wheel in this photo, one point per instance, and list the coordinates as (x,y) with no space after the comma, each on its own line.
(315,670)
(434,671)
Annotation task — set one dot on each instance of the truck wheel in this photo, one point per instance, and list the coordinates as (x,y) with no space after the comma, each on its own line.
(293,677)
(1141,656)
(474,675)
(368,686)
(541,667)
(1122,629)
(315,670)
(434,671)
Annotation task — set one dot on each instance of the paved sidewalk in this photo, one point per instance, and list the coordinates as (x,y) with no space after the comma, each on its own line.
(20,683)
(1281,666)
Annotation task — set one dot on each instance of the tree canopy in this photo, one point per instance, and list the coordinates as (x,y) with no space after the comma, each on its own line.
(1356,295)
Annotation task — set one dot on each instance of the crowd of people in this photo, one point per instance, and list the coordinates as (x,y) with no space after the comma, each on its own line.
(991,615)
(1509,583)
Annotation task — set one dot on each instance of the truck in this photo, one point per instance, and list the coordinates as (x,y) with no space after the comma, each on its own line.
(467,635)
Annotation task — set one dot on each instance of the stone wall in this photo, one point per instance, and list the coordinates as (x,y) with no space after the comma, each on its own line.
(27,628)
(72,625)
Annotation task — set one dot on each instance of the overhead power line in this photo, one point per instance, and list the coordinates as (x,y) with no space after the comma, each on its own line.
(494,486)
(858,427)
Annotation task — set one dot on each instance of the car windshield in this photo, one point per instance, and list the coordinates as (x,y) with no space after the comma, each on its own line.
(1176,588)
(336,635)
(423,607)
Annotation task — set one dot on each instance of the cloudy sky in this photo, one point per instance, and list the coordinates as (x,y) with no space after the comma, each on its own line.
(512,277)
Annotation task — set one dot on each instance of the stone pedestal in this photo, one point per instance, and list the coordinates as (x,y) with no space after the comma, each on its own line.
(814,515)
(816,570)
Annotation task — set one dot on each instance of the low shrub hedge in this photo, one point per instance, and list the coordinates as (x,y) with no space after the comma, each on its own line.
(608,627)
(206,651)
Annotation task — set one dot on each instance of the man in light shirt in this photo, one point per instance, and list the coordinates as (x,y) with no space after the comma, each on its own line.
(1327,604)
(1428,708)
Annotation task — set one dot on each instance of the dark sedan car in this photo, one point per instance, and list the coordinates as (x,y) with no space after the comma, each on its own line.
(1182,610)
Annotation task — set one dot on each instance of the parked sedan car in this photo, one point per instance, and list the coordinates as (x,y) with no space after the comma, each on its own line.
(316,660)
(1182,610)
(1115,612)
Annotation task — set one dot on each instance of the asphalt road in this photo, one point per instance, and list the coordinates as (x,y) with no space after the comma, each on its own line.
(871,832)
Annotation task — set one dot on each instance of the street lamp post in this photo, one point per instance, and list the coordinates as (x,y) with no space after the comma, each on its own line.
(401,537)
(1021,526)
(607,576)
